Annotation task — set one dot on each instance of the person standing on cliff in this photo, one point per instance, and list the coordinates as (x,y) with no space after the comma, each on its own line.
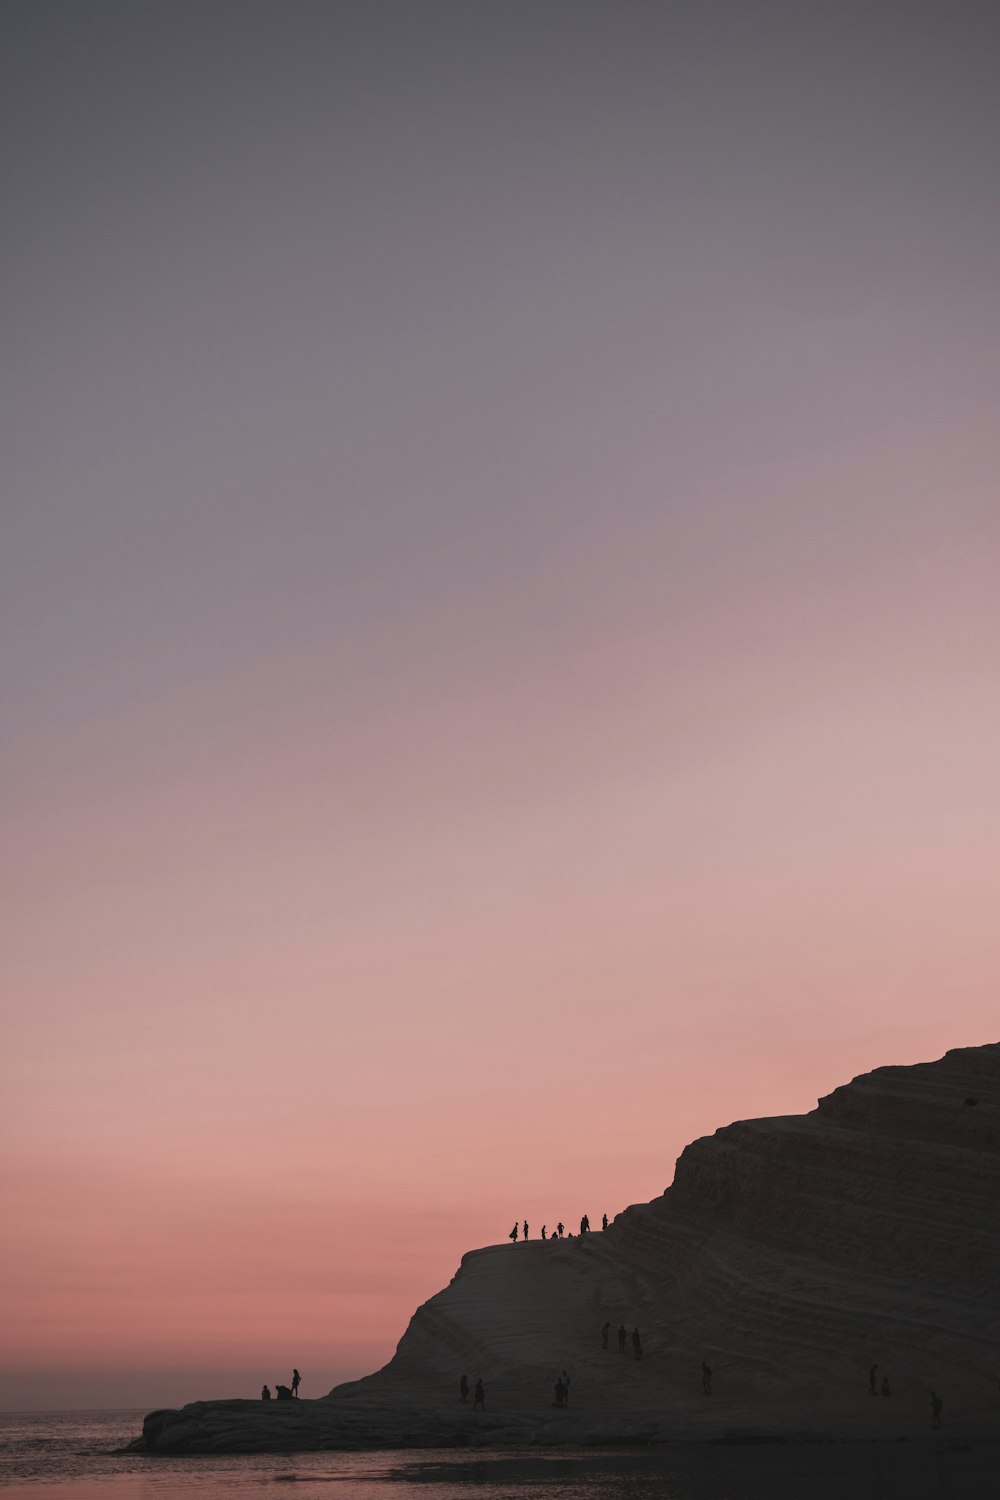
(621,1338)
(544,1236)
(559,1230)
(265,1394)
(296,1382)
(463,1389)
(604,1221)
(585,1225)
(936,1405)
(479,1398)
(513,1235)
(872,1380)
(524,1232)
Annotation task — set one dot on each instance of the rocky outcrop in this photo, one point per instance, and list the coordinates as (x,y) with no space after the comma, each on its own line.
(790,1254)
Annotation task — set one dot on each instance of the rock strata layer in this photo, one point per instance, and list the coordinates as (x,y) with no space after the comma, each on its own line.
(790,1254)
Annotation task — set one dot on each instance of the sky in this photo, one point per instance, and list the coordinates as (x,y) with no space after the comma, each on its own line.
(499,633)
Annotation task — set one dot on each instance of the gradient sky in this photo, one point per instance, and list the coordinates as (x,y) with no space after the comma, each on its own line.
(500,632)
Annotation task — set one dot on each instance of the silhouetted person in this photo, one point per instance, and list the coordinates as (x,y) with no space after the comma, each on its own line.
(621,1338)
(296,1382)
(479,1396)
(544,1235)
(559,1230)
(463,1388)
(936,1405)
(885,1386)
(604,1221)
(265,1394)
(585,1225)
(524,1235)
(283,1392)
(872,1380)
(636,1343)
(706,1379)
(513,1233)
(604,1335)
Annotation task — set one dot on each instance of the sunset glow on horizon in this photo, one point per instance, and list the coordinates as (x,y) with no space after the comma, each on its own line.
(500,640)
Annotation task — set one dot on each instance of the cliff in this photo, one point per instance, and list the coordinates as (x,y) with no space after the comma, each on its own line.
(790,1254)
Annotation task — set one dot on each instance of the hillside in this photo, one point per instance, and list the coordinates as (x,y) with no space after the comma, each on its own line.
(790,1254)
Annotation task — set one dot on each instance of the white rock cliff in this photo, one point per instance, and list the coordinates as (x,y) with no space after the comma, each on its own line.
(790,1254)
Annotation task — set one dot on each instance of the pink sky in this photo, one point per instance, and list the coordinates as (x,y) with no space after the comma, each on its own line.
(502,678)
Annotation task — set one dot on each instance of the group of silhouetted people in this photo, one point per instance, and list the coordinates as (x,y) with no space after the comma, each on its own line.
(558,1233)
(478,1395)
(877,1387)
(622,1339)
(284,1392)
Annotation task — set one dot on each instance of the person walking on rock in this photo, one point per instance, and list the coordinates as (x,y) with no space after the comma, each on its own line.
(604,1221)
(604,1335)
(479,1397)
(636,1343)
(936,1405)
(621,1338)
(872,1380)
(463,1389)
(585,1225)
(513,1234)
(524,1233)
(544,1235)
(296,1382)
(706,1379)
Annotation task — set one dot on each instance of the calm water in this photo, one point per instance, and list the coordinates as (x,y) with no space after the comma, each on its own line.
(70,1456)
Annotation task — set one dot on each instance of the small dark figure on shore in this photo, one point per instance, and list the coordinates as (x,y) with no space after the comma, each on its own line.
(524,1232)
(621,1338)
(636,1343)
(605,1331)
(283,1392)
(604,1221)
(585,1225)
(885,1386)
(479,1396)
(559,1230)
(560,1390)
(936,1405)
(296,1382)
(544,1235)
(463,1388)
(513,1234)
(265,1394)
(872,1379)
(706,1379)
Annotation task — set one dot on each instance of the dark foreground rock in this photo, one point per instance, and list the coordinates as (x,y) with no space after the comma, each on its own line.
(790,1254)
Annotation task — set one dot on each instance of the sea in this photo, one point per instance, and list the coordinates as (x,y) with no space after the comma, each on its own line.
(76,1455)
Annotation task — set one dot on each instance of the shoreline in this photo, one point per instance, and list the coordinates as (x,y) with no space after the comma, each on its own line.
(248,1427)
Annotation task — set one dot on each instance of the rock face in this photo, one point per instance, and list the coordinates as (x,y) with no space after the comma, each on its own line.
(790,1254)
